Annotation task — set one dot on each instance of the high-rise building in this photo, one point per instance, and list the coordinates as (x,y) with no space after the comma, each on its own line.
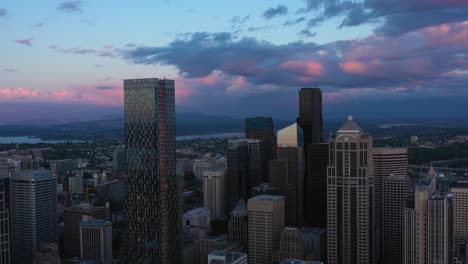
(96,240)
(119,160)
(47,254)
(152,209)
(391,191)
(245,163)
(238,224)
(288,176)
(75,184)
(310,115)
(315,243)
(460,214)
(72,217)
(439,237)
(5,256)
(214,194)
(61,168)
(414,222)
(33,212)
(315,186)
(291,244)
(261,128)
(266,221)
(350,196)
(223,257)
(200,166)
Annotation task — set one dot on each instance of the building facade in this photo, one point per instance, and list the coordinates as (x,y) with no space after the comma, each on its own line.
(214,193)
(460,215)
(152,208)
(5,251)
(33,213)
(96,240)
(391,191)
(350,196)
(439,224)
(291,244)
(265,222)
(238,224)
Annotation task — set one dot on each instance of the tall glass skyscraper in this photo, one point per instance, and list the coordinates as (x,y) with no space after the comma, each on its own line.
(153,227)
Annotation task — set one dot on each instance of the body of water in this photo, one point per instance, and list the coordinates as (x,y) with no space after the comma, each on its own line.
(35,140)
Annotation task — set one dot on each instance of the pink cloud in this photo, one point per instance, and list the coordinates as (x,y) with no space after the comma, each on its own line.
(311,68)
(447,35)
(238,85)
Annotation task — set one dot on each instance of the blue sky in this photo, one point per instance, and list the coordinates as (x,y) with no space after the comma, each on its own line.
(230,57)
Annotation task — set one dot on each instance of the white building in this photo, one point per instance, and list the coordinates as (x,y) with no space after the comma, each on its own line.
(214,193)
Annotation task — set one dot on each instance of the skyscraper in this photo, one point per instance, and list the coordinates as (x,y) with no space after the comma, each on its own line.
(245,163)
(291,244)
(310,115)
(350,196)
(153,221)
(261,128)
(391,191)
(5,256)
(33,213)
(238,224)
(72,217)
(290,150)
(439,237)
(214,194)
(96,240)
(266,221)
(460,214)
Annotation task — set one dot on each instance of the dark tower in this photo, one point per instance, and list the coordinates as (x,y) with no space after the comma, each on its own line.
(261,128)
(310,115)
(153,223)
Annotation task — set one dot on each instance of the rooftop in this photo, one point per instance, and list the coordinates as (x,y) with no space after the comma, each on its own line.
(350,126)
(95,223)
(266,198)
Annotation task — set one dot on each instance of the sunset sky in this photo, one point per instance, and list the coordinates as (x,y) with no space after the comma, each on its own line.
(373,58)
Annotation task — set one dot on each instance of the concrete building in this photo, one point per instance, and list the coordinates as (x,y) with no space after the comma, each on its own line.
(72,217)
(201,166)
(291,244)
(96,240)
(33,213)
(223,257)
(195,220)
(119,160)
(439,237)
(5,251)
(75,184)
(60,168)
(238,224)
(460,214)
(315,243)
(214,193)
(153,228)
(391,191)
(350,185)
(266,221)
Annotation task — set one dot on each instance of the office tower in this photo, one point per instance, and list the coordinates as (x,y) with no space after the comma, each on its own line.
(315,243)
(5,256)
(7,167)
(61,168)
(153,221)
(460,213)
(414,222)
(315,186)
(214,194)
(291,244)
(310,115)
(391,191)
(266,221)
(33,211)
(75,184)
(286,173)
(119,160)
(238,224)
(47,254)
(72,217)
(261,128)
(245,163)
(200,166)
(350,196)
(439,237)
(223,257)
(96,240)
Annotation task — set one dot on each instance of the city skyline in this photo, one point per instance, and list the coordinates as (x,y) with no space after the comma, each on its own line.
(364,55)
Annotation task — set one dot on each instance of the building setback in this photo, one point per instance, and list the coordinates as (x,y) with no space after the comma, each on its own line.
(33,213)
(350,196)
(152,209)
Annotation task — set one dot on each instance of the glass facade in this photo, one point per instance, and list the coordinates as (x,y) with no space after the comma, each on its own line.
(153,229)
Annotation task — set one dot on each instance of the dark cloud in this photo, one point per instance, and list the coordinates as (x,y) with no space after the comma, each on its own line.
(392,17)
(307,33)
(27,41)
(3,12)
(105,87)
(106,52)
(98,65)
(239,20)
(294,22)
(9,70)
(70,6)
(275,11)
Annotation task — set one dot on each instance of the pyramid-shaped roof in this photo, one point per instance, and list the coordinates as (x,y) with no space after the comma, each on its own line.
(350,126)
